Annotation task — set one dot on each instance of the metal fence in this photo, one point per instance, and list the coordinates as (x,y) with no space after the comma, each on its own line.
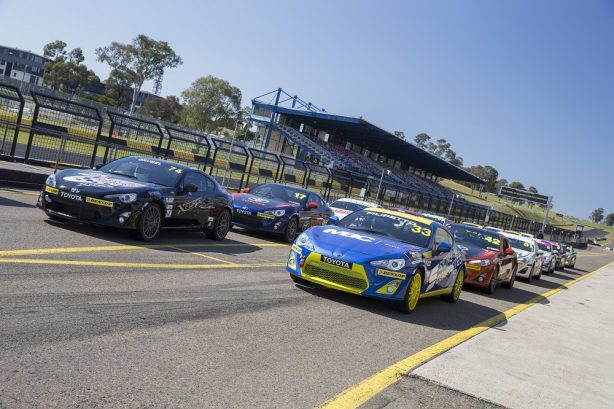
(69,132)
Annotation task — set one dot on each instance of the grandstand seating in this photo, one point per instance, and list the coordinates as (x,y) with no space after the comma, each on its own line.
(307,143)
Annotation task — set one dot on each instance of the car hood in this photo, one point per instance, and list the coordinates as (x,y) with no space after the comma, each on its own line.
(256,203)
(96,183)
(356,246)
(473,251)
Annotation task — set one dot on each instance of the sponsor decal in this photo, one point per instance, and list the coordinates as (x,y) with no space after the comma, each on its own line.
(71,196)
(349,235)
(392,274)
(153,162)
(257,200)
(335,262)
(266,215)
(243,211)
(51,190)
(169,213)
(297,249)
(99,202)
(201,202)
(74,190)
(100,180)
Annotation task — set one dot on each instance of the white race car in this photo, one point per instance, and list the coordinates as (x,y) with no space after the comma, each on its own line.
(530,259)
(343,207)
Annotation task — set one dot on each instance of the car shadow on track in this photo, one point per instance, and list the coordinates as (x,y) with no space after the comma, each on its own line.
(14,203)
(175,238)
(431,312)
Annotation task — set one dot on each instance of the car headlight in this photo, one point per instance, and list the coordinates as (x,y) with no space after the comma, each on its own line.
(276,213)
(123,197)
(50,181)
(304,241)
(524,259)
(482,263)
(391,264)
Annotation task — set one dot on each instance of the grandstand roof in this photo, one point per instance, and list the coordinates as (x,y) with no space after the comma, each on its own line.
(363,133)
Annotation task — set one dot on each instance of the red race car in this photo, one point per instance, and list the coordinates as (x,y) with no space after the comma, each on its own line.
(489,259)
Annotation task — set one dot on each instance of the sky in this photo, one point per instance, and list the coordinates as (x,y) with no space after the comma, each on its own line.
(526,86)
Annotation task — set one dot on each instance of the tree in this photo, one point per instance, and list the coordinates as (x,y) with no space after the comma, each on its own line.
(399,134)
(597,215)
(500,183)
(166,109)
(210,104)
(532,189)
(609,219)
(118,89)
(144,59)
(421,140)
(65,71)
(517,185)
(488,173)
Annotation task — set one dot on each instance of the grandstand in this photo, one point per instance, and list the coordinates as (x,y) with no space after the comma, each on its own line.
(289,125)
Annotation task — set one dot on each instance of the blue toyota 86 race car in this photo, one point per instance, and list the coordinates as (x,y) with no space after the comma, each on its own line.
(378,253)
(142,195)
(281,209)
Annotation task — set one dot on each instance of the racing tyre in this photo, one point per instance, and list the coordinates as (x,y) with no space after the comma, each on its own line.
(149,223)
(220,227)
(412,295)
(291,229)
(456,290)
(492,284)
(539,275)
(510,284)
(530,276)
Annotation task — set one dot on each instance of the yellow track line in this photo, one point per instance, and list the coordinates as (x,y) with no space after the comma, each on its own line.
(133,265)
(360,393)
(202,255)
(60,250)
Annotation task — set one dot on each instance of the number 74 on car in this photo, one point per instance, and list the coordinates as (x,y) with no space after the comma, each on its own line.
(383,254)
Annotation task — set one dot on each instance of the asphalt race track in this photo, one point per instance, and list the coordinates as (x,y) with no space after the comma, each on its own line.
(91,318)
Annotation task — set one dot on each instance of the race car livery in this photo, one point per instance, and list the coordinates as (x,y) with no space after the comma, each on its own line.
(549,255)
(281,209)
(382,254)
(530,259)
(141,194)
(489,259)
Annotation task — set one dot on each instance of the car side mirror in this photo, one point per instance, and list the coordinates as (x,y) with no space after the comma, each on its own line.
(312,205)
(98,166)
(333,220)
(509,251)
(245,190)
(190,188)
(540,252)
(443,247)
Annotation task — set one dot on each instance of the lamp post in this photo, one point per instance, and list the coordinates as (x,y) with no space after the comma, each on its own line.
(380,182)
(451,204)
(232,145)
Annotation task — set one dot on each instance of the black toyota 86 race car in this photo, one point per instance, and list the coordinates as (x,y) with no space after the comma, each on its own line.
(143,195)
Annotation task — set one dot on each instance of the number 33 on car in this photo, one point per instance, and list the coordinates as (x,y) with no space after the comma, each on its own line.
(383,254)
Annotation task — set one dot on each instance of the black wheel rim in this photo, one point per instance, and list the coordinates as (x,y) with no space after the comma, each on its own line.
(151,222)
(291,228)
(223,224)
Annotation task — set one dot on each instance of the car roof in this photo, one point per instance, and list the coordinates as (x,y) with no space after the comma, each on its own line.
(407,216)
(356,201)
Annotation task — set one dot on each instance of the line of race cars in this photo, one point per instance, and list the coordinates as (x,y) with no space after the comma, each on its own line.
(396,255)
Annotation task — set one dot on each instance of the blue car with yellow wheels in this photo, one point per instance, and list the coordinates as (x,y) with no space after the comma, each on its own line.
(383,254)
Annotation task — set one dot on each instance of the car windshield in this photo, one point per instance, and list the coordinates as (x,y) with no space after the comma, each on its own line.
(520,244)
(395,227)
(145,170)
(484,239)
(285,193)
(345,205)
(544,247)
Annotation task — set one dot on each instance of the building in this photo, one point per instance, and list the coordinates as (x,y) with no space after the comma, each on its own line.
(21,65)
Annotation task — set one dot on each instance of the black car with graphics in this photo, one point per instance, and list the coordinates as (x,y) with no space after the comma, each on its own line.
(279,208)
(143,195)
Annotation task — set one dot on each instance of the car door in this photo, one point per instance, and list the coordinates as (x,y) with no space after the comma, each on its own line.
(312,216)
(442,263)
(507,260)
(194,208)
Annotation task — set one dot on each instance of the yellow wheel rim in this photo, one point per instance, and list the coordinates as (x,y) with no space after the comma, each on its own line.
(414,291)
(458,285)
